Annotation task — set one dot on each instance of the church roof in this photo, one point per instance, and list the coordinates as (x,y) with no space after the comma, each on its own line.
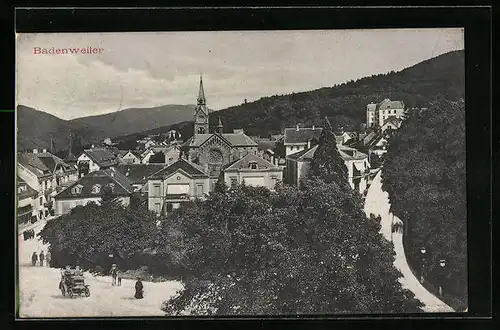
(183,164)
(234,139)
(244,163)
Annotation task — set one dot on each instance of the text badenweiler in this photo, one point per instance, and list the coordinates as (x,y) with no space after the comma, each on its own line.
(66,51)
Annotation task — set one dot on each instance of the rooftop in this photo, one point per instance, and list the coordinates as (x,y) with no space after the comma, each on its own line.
(122,186)
(139,173)
(101,157)
(244,163)
(301,134)
(234,139)
(190,168)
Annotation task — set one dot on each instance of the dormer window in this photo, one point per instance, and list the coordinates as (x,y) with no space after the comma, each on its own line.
(253,165)
(96,188)
(76,189)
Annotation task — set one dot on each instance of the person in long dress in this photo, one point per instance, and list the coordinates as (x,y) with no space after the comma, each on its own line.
(34,258)
(138,289)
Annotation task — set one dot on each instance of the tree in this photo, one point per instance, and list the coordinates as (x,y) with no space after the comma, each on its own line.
(248,250)
(424,174)
(327,163)
(157,158)
(88,234)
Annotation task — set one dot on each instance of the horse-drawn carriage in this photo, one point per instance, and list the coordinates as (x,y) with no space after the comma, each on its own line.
(73,283)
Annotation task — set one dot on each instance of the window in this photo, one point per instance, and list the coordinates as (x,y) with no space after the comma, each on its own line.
(41,201)
(77,189)
(157,189)
(234,181)
(112,187)
(170,207)
(96,188)
(215,156)
(253,165)
(199,190)
(178,178)
(158,207)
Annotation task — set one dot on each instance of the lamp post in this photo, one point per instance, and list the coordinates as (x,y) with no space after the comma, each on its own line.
(422,251)
(442,264)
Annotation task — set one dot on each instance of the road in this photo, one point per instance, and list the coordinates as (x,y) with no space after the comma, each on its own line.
(39,295)
(377,202)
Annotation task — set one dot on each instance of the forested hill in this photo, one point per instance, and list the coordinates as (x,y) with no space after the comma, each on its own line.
(436,78)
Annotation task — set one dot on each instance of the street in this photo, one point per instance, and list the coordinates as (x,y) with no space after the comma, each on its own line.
(377,202)
(39,294)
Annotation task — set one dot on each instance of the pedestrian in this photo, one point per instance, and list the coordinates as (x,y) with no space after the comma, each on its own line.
(32,233)
(138,289)
(25,235)
(34,258)
(114,273)
(78,271)
(42,258)
(119,274)
(48,259)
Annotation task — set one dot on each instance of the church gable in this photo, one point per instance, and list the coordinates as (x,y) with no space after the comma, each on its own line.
(216,141)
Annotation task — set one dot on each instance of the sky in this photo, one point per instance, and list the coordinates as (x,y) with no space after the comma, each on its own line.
(148,69)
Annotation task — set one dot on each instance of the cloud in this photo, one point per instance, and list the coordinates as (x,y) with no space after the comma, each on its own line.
(152,69)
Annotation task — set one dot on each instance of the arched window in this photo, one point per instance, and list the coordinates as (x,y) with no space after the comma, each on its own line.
(201,130)
(215,156)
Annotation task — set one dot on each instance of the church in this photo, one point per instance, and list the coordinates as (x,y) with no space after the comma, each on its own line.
(214,151)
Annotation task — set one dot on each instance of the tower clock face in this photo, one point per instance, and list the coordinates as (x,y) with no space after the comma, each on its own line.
(201,117)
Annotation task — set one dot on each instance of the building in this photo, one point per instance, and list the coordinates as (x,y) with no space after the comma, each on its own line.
(252,170)
(138,174)
(300,138)
(130,157)
(376,114)
(171,153)
(90,188)
(358,166)
(28,204)
(213,151)
(392,123)
(95,159)
(180,182)
(47,174)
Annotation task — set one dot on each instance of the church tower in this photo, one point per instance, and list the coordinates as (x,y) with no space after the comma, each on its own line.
(201,112)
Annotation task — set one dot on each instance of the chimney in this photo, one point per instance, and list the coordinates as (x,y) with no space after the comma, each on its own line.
(297,128)
(44,150)
(93,146)
(308,144)
(313,127)
(245,101)
(35,151)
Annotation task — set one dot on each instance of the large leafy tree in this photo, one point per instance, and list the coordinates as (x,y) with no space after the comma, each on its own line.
(424,174)
(252,251)
(88,234)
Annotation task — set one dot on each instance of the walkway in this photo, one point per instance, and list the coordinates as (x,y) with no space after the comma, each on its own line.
(377,202)
(39,295)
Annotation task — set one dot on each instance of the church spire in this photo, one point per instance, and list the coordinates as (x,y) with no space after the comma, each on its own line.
(201,93)
(220,127)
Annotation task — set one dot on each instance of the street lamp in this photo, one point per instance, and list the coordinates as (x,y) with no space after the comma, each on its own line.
(442,264)
(422,251)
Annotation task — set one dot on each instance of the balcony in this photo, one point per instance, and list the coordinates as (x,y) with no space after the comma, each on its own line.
(177,197)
